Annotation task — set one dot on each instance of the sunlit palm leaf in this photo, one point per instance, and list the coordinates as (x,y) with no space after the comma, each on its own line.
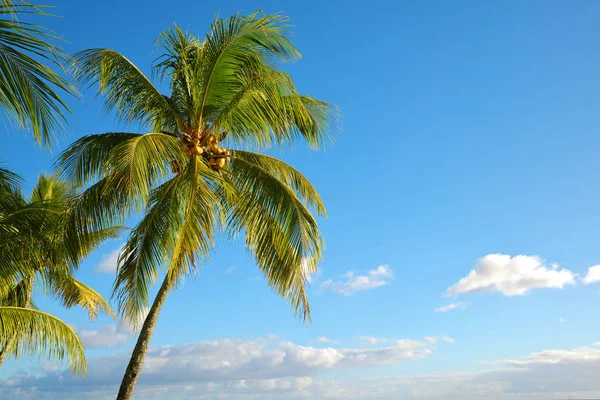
(279,230)
(126,89)
(71,292)
(29,90)
(40,333)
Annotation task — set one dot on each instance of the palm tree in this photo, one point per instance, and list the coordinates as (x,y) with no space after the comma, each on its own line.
(37,249)
(29,89)
(225,90)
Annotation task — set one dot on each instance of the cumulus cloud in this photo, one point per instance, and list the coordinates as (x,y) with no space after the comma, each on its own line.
(235,361)
(372,340)
(106,336)
(351,282)
(452,306)
(593,275)
(582,354)
(325,339)
(512,276)
(259,369)
(447,339)
(108,262)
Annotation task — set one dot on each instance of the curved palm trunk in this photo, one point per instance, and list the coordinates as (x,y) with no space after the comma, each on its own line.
(134,368)
(10,343)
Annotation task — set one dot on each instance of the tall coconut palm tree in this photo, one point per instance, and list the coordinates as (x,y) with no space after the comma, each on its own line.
(30,87)
(36,251)
(184,175)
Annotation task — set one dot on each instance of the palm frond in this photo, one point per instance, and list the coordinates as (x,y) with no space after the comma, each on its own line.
(279,230)
(201,72)
(264,107)
(88,157)
(39,333)
(126,89)
(287,174)
(180,223)
(29,90)
(146,251)
(71,292)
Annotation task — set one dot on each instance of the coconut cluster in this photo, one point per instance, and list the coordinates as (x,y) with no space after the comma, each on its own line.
(217,156)
(209,149)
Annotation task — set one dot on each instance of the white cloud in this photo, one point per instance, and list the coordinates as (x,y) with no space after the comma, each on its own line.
(108,262)
(447,339)
(325,339)
(452,306)
(593,275)
(106,336)
(511,276)
(260,369)
(233,365)
(585,354)
(49,366)
(372,340)
(351,283)
(229,270)
(430,340)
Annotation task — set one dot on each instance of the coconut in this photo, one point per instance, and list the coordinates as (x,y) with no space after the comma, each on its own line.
(197,150)
(220,162)
(212,161)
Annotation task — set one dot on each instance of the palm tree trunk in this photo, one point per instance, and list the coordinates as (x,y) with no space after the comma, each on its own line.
(134,368)
(11,342)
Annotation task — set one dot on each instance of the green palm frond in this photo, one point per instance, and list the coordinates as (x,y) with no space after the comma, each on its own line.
(146,251)
(178,226)
(126,89)
(88,157)
(29,89)
(35,332)
(287,174)
(71,292)
(9,181)
(264,107)
(18,294)
(143,162)
(130,163)
(279,230)
(202,72)
(200,217)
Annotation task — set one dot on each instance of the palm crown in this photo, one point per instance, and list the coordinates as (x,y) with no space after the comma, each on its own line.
(225,91)
(225,88)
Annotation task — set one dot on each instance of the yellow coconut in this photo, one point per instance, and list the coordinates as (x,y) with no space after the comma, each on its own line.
(212,161)
(196,150)
(221,162)
(227,159)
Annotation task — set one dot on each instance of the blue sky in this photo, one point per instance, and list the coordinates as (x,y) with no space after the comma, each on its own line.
(469,129)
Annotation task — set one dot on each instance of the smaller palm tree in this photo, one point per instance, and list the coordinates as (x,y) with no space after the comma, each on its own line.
(39,251)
